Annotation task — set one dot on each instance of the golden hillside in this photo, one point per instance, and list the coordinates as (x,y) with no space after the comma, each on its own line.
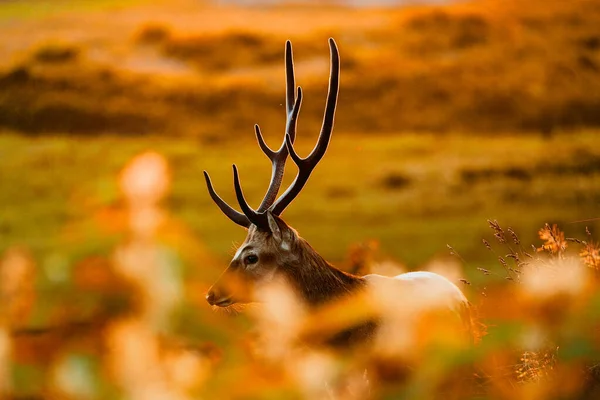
(486,66)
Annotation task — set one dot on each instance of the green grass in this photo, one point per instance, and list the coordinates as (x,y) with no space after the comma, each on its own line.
(188,81)
(52,186)
(33,9)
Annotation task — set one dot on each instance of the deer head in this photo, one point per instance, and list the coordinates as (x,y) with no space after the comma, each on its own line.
(271,246)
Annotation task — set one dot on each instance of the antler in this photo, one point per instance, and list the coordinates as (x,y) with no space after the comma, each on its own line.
(308,164)
(278,158)
(233,215)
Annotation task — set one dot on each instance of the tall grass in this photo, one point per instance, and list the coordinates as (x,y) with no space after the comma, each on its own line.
(449,116)
(132,320)
(412,193)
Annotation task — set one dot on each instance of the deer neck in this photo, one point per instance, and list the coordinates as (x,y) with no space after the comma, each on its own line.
(316,280)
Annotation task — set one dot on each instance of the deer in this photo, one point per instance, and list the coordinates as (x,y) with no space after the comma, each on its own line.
(273,248)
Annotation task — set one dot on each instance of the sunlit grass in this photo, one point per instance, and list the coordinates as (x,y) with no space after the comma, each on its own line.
(409,191)
(98,283)
(30,9)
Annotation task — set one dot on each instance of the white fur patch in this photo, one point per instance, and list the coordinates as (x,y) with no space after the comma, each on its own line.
(238,253)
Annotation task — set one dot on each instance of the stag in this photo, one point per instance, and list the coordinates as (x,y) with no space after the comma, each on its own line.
(273,248)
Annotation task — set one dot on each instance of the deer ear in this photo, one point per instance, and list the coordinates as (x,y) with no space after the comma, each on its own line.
(274,227)
(282,233)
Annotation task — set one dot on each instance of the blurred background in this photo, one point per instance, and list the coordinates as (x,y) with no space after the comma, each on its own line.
(450,114)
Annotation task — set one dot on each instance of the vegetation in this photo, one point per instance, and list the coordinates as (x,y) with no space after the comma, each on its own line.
(449,116)
(487,67)
(413,193)
(91,328)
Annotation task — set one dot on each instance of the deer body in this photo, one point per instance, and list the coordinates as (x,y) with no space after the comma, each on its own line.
(273,250)
(425,282)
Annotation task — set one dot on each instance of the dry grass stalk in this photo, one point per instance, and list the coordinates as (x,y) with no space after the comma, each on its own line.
(554,240)
(536,365)
(590,253)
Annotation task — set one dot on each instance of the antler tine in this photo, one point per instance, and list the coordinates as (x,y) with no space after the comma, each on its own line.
(233,215)
(306,165)
(279,157)
(290,79)
(262,144)
(258,219)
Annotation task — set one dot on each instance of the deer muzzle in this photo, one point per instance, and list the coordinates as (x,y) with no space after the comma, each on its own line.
(214,298)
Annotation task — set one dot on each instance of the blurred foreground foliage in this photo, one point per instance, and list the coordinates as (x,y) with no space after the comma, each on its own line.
(102,274)
(488,66)
(132,322)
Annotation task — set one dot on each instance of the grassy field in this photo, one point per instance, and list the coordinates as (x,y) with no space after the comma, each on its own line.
(25,10)
(62,209)
(509,87)
(449,116)
(414,193)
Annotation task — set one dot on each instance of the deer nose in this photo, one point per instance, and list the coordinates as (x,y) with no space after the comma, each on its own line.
(210,298)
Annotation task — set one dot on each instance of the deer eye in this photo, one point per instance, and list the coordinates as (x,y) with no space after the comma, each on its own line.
(250,259)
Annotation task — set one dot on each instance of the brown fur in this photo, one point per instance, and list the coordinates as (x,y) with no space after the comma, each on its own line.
(282,252)
(314,279)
